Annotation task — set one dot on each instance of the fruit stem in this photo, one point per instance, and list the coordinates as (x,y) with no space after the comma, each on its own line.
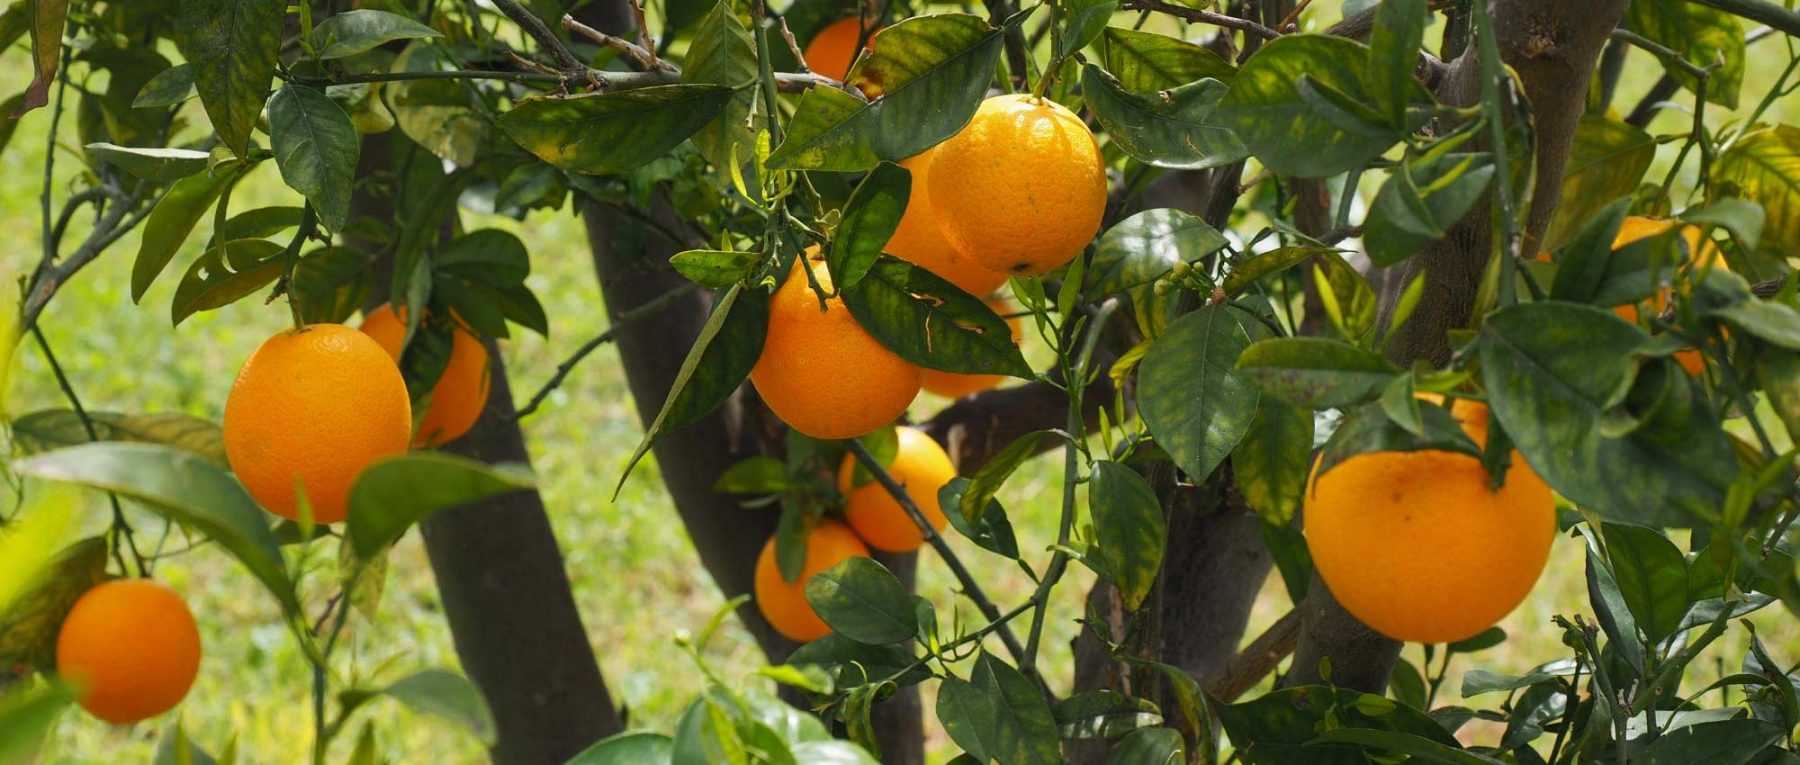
(309,222)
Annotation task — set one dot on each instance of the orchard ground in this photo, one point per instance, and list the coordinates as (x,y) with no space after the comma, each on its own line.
(635,575)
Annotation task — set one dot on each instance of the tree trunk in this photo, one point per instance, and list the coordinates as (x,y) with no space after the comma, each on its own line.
(501,580)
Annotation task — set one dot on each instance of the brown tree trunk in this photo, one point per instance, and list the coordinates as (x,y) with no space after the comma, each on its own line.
(500,577)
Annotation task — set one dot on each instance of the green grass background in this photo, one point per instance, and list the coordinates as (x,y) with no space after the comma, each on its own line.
(636,579)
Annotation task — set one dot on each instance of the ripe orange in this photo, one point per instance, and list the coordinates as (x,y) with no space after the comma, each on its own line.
(954,385)
(820,371)
(1637,227)
(1415,545)
(460,394)
(922,241)
(131,648)
(922,467)
(1026,182)
(783,603)
(832,50)
(310,409)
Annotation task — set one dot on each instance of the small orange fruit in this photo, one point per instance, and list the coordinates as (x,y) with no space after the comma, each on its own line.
(832,50)
(1417,546)
(955,385)
(820,371)
(459,395)
(1026,183)
(783,603)
(131,649)
(921,240)
(310,409)
(922,467)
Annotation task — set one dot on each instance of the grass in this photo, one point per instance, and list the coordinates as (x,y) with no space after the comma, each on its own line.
(636,579)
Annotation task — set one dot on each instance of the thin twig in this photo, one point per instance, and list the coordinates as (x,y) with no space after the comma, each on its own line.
(119,523)
(546,40)
(1202,17)
(645,57)
(625,319)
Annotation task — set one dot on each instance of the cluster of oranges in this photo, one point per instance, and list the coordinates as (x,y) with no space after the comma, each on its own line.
(309,411)
(872,518)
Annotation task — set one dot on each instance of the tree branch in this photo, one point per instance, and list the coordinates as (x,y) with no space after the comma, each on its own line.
(1257,660)
(1201,17)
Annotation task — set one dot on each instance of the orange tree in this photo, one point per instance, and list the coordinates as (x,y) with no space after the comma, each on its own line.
(1382,316)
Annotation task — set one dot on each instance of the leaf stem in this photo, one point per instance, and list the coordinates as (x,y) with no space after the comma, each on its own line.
(625,319)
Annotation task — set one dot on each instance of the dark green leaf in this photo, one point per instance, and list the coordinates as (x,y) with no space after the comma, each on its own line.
(932,323)
(862,600)
(1129,530)
(173,219)
(259,223)
(1538,706)
(1178,128)
(854,663)
(328,284)
(48,429)
(1610,611)
(316,148)
(998,714)
(348,33)
(1417,748)
(988,480)
(1083,21)
(990,530)
(1419,202)
(1585,259)
(1557,376)
(1707,37)
(1285,725)
(1146,62)
(870,218)
(232,46)
(1725,742)
(1652,576)
(1316,372)
(1488,638)
(1479,681)
(151,164)
(1103,714)
(1149,746)
(612,132)
(1394,41)
(1193,400)
(1368,429)
(1288,547)
(182,487)
(223,274)
(1743,218)
(169,87)
(926,74)
(1145,246)
(393,494)
(1406,685)
(1606,160)
(1272,461)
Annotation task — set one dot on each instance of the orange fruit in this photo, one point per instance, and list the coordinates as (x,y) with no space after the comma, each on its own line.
(1637,227)
(921,240)
(922,467)
(1026,182)
(310,409)
(820,371)
(459,395)
(1416,545)
(955,385)
(783,603)
(131,649)
(832,50)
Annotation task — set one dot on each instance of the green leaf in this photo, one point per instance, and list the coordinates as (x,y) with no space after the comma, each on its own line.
(259,223)
(1610,611)
(151,164)
(1083,21)
(1763,166)
(987,481)
(1394,41)
(1724,742)
(717,362)
(1349,300)
(612,132)
(1556,372)
(832,753)
(1248,271)
(173,219)
(707,734)
(183,487)
(29,626)
(1181,128)
(754,475)
(1316,372)
(932,323)
(316,148)
(1743,218)
(1415,747)
(1149,746)
(48,429)
(1289,132)
(1368,429)
(223,274)
(870,218)
(393,494)
(1705,37)
(722,54)
(328,284)
(348,33)
(1193,400)
(926,74)
(1584,260)
(1103,714)
(1607,158)
(854,663)
(1652,576)
(1145,246)
(1419,202)
(441,115)
(990,530)
(1476,682)
(47,19)
(1129,530)
(447,695)
(998,714)
(628,748)
(232,46)
(27,713)
(1146,62)
(716,269)
(1272,461)
(861,600)
(169,87)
